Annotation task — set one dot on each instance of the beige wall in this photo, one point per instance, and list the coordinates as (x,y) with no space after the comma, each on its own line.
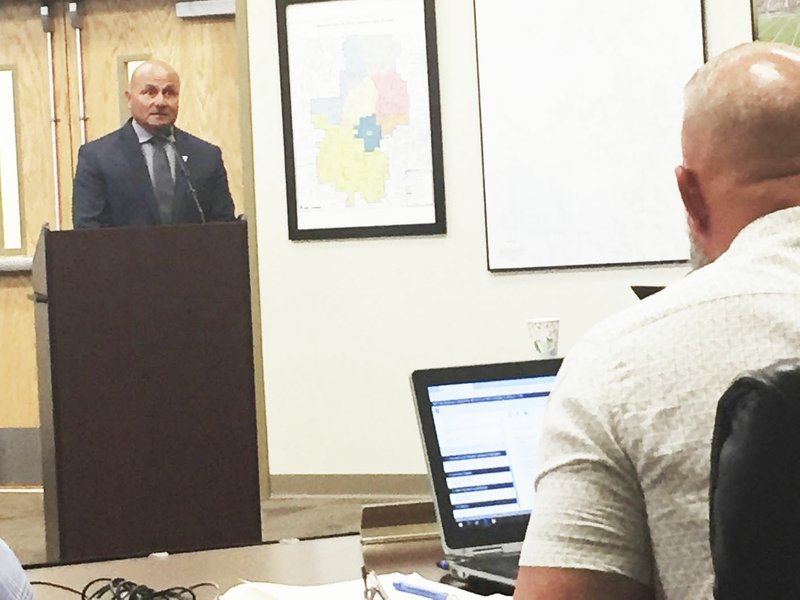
(345,322)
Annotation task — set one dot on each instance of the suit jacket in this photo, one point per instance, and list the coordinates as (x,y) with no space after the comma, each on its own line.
(112,186)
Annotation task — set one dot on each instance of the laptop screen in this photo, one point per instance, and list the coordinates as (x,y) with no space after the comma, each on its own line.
(481,426)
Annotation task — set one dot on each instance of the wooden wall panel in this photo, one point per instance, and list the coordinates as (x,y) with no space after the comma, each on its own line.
(203,51)
(24,47)
(19,406)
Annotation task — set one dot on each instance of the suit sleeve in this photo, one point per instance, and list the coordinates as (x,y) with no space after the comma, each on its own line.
(221,208)
(90,208)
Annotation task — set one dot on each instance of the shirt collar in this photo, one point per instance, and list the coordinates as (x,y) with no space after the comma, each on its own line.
(783,221)
(145,136)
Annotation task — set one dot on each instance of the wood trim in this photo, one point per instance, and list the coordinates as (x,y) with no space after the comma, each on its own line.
(123,81)
(351,485)
(249,203)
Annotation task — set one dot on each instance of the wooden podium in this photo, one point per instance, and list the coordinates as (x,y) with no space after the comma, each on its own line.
(147,402)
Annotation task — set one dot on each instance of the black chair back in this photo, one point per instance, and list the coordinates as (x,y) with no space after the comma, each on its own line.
(755,486)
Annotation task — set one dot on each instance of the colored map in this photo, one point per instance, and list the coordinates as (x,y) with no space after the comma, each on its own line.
(373,102)
(360,114)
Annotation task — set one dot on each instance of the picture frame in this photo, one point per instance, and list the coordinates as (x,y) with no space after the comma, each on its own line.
(361,118)
(776,21)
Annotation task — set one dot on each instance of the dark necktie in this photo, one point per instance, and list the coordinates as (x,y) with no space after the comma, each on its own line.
(163,184)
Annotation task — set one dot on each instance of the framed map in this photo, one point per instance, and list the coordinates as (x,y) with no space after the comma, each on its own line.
(777,21)
(362,127)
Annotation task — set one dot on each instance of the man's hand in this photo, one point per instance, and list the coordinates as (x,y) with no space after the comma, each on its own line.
(549,583)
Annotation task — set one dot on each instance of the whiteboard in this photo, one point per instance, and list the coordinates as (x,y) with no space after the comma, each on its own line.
(581,106)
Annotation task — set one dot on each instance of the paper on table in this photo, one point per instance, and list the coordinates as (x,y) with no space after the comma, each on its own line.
(344,590)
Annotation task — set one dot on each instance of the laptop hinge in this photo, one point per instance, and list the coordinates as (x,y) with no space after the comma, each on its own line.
(512,548)
(486,550)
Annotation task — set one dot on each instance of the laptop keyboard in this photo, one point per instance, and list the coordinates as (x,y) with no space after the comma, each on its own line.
(500,565)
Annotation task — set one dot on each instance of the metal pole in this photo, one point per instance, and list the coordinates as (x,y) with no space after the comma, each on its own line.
(47,25)
(77,22)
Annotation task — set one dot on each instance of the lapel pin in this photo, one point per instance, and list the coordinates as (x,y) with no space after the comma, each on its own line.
(185,158)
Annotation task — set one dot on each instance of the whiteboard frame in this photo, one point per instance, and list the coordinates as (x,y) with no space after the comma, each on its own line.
(566,265)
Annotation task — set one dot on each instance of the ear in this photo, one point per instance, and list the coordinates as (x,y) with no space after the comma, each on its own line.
(693,199)
(128,97)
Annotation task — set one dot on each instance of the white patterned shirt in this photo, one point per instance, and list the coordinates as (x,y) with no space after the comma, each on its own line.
(13,581)
(624,472)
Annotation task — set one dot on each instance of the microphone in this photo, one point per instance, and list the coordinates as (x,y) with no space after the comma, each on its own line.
(185,170)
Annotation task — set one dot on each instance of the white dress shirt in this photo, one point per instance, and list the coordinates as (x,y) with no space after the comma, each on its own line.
(147,149)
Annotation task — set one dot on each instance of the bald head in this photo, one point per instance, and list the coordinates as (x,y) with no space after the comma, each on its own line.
(153,95)
(743,112)
(152,67)
(741,141)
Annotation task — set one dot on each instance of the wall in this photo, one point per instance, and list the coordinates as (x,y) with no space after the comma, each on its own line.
(345,322)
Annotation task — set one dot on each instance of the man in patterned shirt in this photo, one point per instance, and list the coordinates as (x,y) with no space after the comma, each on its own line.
(13,581)
(621,510)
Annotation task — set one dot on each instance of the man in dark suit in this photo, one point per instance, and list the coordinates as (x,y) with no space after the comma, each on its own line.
(149,172)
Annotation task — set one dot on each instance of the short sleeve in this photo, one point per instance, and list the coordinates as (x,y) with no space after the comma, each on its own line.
(589,510)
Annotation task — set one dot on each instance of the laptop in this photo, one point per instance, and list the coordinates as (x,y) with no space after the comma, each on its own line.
(480,426)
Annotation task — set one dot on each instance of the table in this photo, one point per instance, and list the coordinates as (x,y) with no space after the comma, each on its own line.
(314,561)
(399,537)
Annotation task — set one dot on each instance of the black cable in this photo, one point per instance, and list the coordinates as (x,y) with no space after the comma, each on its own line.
(122,589)
(206,584)
(56,585)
